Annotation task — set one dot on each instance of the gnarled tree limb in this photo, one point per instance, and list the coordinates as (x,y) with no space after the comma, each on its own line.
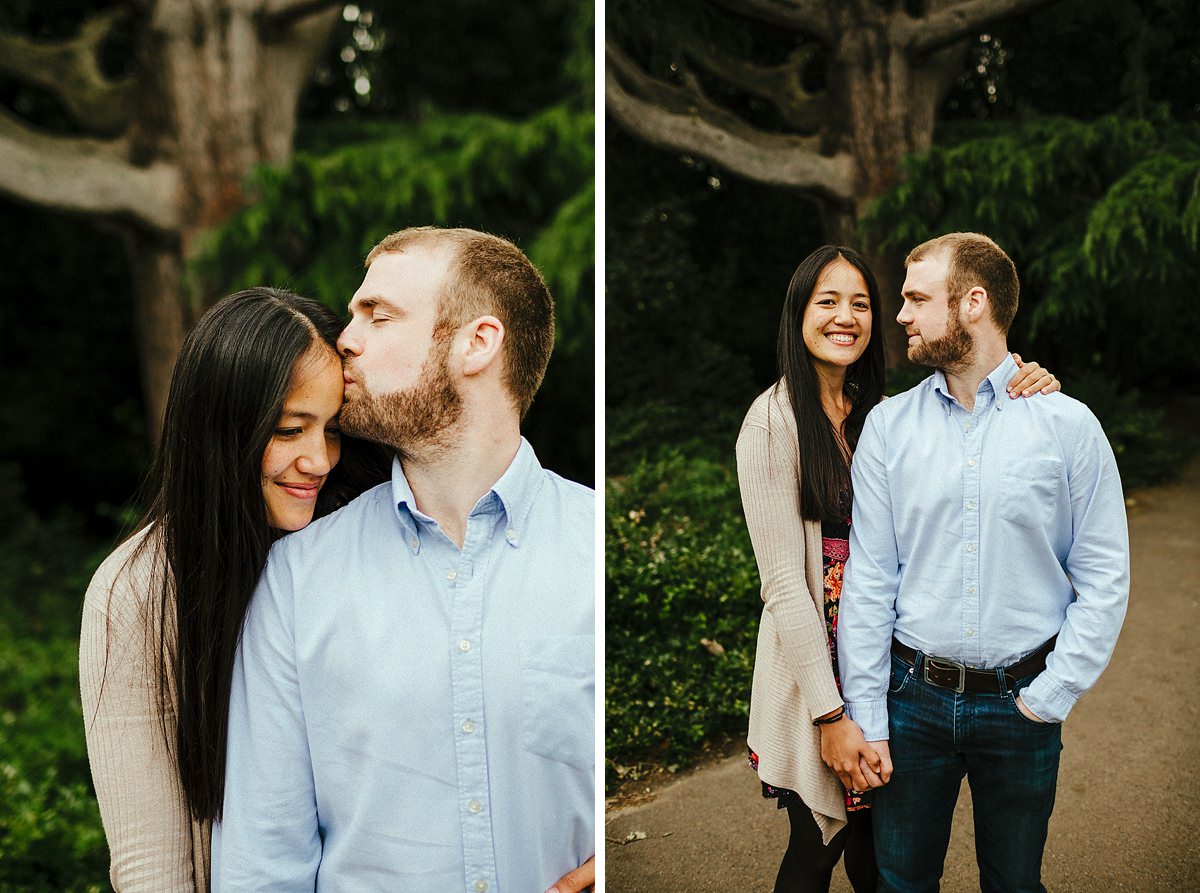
(801,16)
(69,70)
(281,14)
(946,26)
(85,176)
(780,85)
(774,159)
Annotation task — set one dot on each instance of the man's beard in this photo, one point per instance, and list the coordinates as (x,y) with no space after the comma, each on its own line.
(951,352)
(416,421)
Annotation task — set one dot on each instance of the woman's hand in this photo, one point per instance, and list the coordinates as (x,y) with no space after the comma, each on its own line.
(855,762)
(1031,379)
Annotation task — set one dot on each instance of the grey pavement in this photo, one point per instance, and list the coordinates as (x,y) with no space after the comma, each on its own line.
(1127,816)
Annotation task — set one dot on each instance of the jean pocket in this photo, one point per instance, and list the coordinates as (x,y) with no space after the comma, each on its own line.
(902,674)
(558,698)
(1012,702)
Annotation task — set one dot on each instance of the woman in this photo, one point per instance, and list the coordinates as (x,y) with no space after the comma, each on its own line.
(248,450)
(793,458)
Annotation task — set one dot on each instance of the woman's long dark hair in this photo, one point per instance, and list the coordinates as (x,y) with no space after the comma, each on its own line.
(209,516)
(825,471)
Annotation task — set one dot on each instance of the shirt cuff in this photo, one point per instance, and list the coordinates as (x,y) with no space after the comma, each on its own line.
(871,716)
(1048,700)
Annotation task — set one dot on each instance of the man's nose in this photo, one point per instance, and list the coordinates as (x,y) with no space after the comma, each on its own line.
(348,344)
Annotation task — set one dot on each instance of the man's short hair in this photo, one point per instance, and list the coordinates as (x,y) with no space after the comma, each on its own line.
(491,275)
(975,260)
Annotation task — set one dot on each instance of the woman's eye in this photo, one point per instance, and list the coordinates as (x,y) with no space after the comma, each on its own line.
(287,432)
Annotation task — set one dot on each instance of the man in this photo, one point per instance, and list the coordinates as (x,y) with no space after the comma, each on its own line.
(413,700)
(987,580)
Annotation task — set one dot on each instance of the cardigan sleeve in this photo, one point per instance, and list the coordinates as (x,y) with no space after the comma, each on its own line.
(146,819)
(768,476)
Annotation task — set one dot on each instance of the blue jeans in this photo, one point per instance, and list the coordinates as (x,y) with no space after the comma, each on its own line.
(1011,764)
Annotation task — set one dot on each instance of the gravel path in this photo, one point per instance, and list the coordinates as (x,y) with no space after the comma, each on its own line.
(1128,811)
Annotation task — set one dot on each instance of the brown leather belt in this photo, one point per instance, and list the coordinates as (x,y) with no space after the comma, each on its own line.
(958,677)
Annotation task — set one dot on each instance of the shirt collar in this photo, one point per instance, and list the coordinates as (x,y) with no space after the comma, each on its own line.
(515,491)
(997,379)
(517,488)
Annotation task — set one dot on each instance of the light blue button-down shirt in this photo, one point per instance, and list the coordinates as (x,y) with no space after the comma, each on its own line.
(976,536)
(406,716)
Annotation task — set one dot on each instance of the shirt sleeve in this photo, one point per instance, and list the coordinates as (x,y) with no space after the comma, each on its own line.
(768,480)
(1098,564)
(146,818)
(268,838)
(867,613)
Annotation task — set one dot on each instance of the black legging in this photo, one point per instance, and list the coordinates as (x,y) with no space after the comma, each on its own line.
(807,865)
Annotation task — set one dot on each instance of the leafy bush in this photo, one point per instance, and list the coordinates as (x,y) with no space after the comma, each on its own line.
(681,606)
(50,832)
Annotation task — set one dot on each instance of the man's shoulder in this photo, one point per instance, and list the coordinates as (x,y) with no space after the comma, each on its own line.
(889,406)
(1062,410)
(326,532)
(574,500)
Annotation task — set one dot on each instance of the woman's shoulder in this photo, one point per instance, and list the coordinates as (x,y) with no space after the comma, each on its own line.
(770,408)
(128,573)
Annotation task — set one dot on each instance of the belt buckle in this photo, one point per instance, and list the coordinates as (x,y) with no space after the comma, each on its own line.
(939,664)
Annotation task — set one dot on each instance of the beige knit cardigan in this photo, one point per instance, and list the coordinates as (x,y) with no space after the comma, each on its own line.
(793,673)
(154,845)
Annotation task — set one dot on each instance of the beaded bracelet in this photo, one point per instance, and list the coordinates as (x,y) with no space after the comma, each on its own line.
(830,719)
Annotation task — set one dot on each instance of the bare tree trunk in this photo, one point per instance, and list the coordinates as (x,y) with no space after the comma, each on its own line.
(161,317)
(214,94)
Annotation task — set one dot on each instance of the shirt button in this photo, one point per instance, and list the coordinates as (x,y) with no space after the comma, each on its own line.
(464,645)
(971,462)
(414,542)
(481,886)
(510,535)
(468,727)
(475,806)
(970,547)
(970,632)
(971,505)
(450,575)
(970,589)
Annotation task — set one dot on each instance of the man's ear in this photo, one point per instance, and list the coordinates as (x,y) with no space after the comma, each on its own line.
(975,305)
(483,339)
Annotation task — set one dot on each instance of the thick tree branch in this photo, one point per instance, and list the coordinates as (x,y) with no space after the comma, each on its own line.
(85,176)
(774,159)
(940,29)
(69,70)
(780,85)
(282,14)
(802,16)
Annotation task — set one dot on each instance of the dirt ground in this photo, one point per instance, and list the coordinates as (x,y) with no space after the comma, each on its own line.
(1127,817)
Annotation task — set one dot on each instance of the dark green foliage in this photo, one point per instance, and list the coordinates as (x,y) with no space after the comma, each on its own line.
(679,570)
(50,834)
(531,181)
(1102,219)
(692,311)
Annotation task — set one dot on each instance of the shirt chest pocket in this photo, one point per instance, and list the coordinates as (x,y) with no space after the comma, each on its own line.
(1029,491)
(558,682)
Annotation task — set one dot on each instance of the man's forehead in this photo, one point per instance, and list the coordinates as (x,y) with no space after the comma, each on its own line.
(928,274)
(397,276)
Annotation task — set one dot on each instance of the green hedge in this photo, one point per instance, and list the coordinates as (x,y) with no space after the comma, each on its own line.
(680,573)
(50,832)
